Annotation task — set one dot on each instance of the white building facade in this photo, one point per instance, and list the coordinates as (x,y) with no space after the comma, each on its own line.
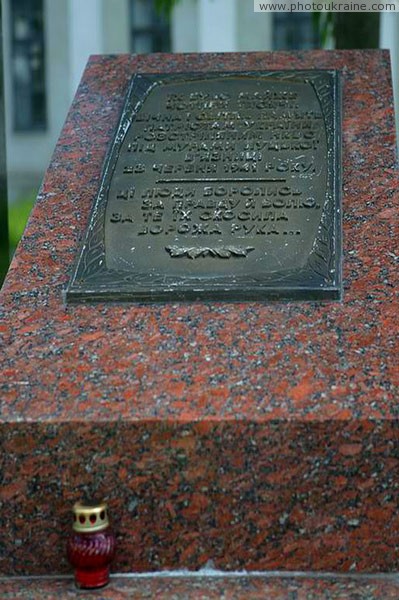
(47,44)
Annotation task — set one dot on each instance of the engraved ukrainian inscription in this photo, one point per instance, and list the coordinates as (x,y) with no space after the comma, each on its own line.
(213,169)
(224,177)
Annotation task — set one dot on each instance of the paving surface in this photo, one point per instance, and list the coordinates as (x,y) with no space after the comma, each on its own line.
(221,588)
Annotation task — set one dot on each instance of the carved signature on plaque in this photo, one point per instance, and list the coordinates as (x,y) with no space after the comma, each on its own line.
(216,252)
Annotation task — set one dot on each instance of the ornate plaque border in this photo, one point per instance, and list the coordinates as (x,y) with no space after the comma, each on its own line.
(320,279)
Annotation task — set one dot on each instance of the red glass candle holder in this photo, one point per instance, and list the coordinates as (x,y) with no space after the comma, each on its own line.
(91,547)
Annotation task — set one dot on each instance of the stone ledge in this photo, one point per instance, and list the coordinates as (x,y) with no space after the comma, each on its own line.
(278,587)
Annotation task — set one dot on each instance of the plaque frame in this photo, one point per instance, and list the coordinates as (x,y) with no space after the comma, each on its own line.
(320,279)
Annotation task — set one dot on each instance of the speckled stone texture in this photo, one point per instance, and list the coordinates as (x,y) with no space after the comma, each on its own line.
(210,588)
(257,436)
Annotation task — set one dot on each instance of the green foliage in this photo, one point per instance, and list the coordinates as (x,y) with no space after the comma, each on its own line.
(347,30)
(165,6)
(323,23)
(18,214)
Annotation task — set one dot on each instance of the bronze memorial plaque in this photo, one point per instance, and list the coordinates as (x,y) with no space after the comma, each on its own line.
(219,186)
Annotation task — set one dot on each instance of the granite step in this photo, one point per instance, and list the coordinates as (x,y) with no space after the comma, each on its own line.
(183,587)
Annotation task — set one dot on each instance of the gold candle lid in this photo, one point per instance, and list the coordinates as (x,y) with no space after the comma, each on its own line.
(90,518)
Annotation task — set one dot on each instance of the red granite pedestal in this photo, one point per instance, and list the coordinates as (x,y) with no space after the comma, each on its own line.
(255,436)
